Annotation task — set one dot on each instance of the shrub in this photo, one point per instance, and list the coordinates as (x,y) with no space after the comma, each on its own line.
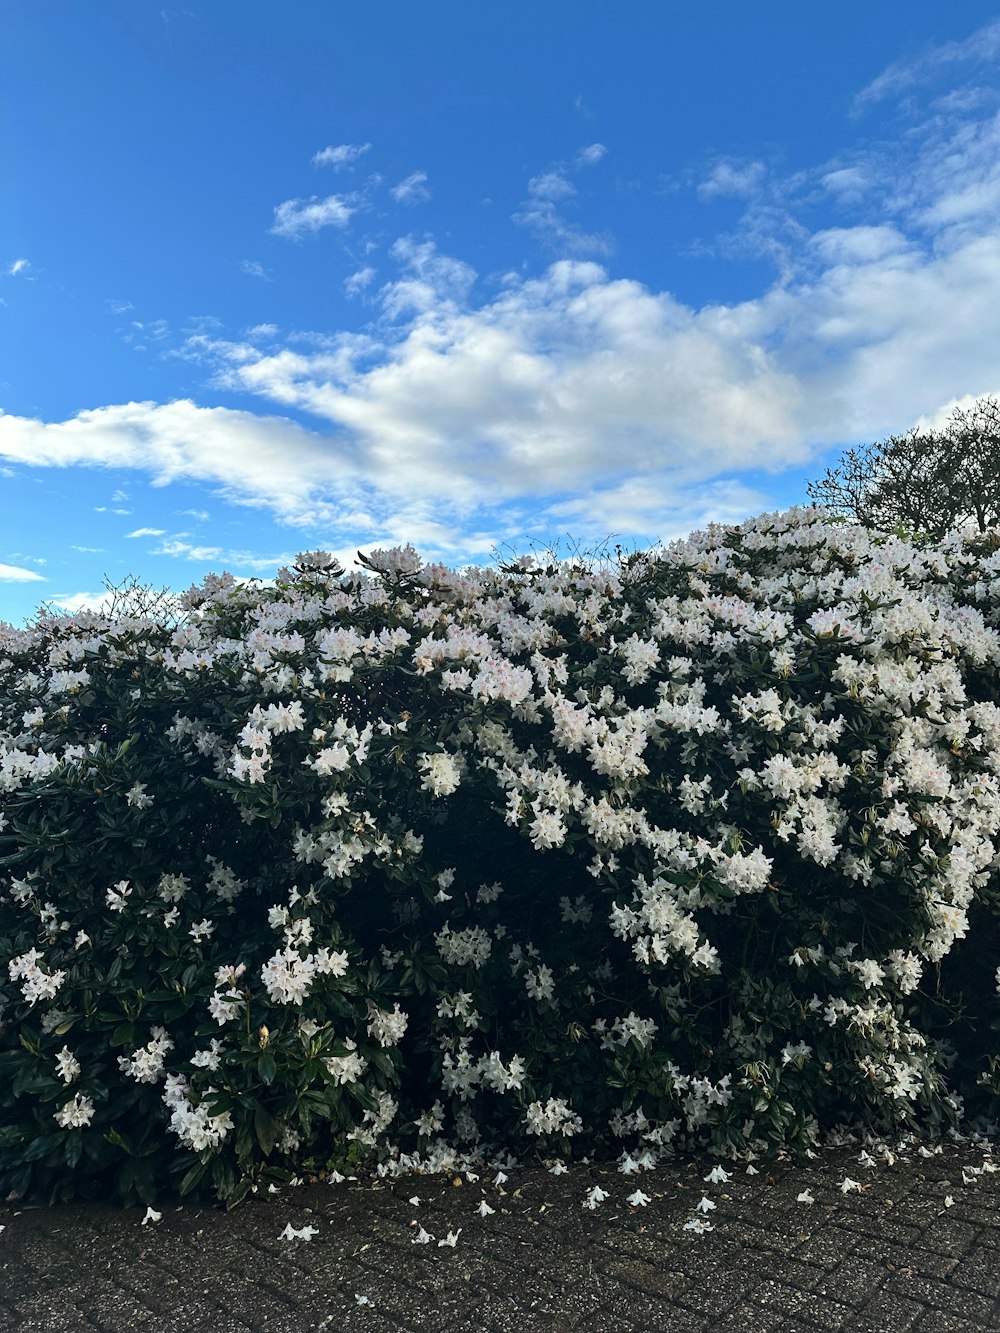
(697,848)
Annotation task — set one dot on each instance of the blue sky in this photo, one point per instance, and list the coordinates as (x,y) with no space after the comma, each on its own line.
(279,277)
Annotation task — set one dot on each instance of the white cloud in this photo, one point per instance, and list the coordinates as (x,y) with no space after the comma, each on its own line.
(202,515)
(119,307)
(412,190)
(19,268)
(587,157)
(72,602)
(15,574)
(295,217)
(551,185)
(343,155)
(254,269)
(577,398)
(263,331)
(88,550)
(146,532)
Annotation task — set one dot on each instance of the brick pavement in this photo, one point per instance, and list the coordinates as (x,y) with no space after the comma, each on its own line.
(915,1247)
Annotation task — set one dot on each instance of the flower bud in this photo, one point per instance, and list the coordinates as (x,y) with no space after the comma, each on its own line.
(264,1038)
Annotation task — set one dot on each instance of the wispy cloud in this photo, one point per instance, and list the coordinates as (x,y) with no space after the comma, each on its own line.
(541,213)
(240,559)
(412,190)
(343,155)
(298,217)
(263,331)
(253,268)
(359,280)
(16,574)
(119,307)
(729,177)
(979,49)
(146,532)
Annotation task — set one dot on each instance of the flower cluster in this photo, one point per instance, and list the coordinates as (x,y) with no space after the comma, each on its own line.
(686,829)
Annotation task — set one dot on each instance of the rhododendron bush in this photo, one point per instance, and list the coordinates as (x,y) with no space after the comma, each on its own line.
(697,847)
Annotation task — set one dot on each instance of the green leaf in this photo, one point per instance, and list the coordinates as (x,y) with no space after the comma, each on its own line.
(266,1067)
(192,1178)
(74,1147)
(266,1129)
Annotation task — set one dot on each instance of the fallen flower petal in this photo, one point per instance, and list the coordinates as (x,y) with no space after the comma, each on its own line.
(422,1238)
(450,1239)
(151,1216)
(705,1205)
(717,1176)
(638,1199)
(484,1209)
(805,1197)
(300,1233)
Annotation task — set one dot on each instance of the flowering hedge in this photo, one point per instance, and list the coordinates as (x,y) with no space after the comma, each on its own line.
(695,849)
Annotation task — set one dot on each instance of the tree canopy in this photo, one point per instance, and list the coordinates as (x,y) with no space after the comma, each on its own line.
(930,481)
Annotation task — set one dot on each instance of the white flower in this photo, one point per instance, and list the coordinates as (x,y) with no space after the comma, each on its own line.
(210,1058)
(287,976)
(949,1202)
(698,1224)
(847,1185)
(717,1176)
(300,1233)
(201,930)
(151,1216)
(441,774)
(115,897)
(804,1197)
(594,1197)
(705,1205)
(451,1238)
(484,1210)
(146,1064)
(137,796)
(36,983)
(67,1065)
(422,1238)
(75,1114)
(557,1169)
(386,1028)
(638,1199)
